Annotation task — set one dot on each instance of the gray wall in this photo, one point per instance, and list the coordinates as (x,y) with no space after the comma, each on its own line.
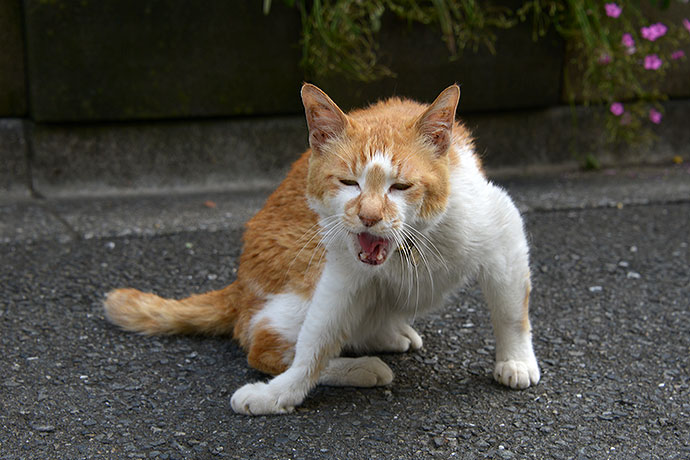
(12,90)
(115,60)
(169,59)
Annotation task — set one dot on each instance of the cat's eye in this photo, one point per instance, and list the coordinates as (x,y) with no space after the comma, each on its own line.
(400,186)
(349,183)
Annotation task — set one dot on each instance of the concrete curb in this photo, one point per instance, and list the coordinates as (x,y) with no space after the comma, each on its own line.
(79,217)
(14,170)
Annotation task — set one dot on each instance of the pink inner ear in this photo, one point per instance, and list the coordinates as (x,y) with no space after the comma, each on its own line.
(437,122)
(324,121)
(438,131)
(324,118)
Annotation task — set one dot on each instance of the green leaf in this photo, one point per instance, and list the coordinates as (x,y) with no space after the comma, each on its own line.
(591,163)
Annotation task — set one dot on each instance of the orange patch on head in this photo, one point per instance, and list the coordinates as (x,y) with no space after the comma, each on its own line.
(375,178)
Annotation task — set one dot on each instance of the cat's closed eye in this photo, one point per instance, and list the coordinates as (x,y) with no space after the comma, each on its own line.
(349,183)
(400,186)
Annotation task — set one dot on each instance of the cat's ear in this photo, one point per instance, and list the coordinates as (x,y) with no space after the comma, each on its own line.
(436,123)
(325,119)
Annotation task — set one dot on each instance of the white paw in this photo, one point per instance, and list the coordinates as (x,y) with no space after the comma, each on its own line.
(366,371)
(261,398)
(517,374)
(415,341)
(398,340)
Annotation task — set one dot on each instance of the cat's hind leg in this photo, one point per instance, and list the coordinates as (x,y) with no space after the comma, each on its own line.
(269,351)
(363,371)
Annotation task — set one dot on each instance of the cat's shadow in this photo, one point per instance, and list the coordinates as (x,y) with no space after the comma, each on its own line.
(406,391)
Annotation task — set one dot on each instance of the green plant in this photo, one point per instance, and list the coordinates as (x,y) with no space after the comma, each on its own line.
(619,59)
(339,36)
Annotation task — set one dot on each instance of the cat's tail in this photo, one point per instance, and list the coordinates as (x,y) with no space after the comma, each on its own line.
(211,313)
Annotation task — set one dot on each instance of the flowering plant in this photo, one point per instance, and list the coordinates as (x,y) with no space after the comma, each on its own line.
(623,58)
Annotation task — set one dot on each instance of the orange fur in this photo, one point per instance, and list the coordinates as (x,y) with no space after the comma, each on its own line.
(270,352)
(282,250)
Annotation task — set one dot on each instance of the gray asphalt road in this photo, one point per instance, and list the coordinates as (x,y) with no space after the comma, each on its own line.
(610,314)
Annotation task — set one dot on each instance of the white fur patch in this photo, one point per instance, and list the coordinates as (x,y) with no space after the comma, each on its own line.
(284,313)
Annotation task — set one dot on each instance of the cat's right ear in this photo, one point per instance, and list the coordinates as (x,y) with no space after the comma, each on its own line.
(325,119)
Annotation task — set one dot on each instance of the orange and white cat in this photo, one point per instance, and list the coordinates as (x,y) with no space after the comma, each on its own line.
(385,214)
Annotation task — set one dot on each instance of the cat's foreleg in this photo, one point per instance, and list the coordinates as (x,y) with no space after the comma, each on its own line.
(329,320)
(506,287)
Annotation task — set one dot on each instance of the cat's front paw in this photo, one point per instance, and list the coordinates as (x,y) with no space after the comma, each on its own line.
(261,399)
(415,341)
(517,374)
(397,339)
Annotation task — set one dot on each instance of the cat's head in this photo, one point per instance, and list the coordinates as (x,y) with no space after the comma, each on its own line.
(378,176)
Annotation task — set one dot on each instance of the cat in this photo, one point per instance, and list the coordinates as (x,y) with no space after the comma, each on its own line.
(385,214)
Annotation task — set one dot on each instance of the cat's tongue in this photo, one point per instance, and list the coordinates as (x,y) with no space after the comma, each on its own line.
(374,248)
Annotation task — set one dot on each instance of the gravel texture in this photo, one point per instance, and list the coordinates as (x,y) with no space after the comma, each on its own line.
(609,311)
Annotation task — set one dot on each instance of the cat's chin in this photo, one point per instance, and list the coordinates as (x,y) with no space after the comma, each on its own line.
(372,249)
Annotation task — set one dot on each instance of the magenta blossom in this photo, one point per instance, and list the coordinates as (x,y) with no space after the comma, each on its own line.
(604,59)
(612,10)
(617,109)
(655,116)
(678,54)
(686,23)
(652,62)
(628,40)
(654,31)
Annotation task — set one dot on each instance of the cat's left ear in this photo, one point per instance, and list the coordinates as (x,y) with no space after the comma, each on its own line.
(436,123)
(325,119)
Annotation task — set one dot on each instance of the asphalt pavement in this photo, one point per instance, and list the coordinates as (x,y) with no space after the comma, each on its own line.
(610,312)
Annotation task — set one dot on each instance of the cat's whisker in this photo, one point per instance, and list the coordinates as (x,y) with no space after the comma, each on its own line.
(402,240)
(317,229)
(413,242)
(425,261)
(404,265)
(330,233)
(423,240)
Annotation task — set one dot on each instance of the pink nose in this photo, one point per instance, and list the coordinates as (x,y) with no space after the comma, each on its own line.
(369,221)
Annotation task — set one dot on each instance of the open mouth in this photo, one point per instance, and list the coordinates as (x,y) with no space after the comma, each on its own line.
(374,249)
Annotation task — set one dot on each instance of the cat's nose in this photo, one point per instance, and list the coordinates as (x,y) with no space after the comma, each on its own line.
(369,221)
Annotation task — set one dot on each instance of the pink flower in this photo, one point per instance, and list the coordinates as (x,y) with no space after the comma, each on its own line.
(652,62)
(655,116)
(617,109)
(679,54)
(612,10)
(654,31)
(686,23)
(604,59)
(628,41)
